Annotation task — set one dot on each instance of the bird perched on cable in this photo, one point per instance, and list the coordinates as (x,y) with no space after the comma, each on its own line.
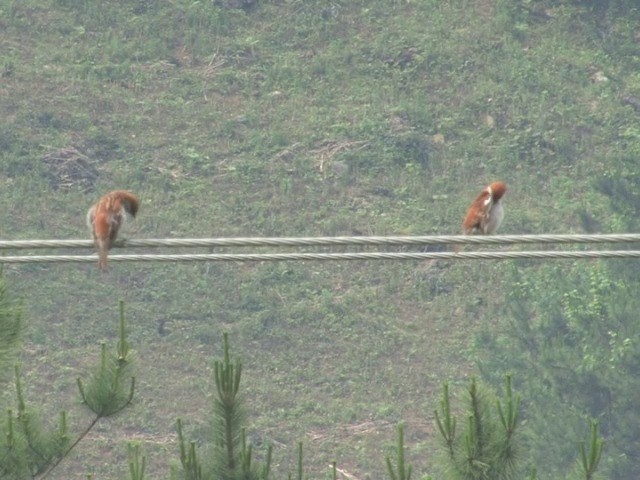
(105,218)
(485,213)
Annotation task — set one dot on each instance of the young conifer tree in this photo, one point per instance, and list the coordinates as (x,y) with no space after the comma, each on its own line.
(488,446)
(231,456)
(26,447)
(30,449)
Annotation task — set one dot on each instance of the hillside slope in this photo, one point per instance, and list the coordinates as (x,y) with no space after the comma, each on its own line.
(294,118)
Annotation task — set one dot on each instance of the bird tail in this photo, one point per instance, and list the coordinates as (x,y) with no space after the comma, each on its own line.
(103,252)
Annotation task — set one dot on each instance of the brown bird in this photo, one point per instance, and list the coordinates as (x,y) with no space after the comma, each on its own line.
(105,219)
(485,213)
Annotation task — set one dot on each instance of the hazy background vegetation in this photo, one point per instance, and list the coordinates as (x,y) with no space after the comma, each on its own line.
(328,117)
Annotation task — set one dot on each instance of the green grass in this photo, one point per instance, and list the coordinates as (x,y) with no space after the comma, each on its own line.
(290,119)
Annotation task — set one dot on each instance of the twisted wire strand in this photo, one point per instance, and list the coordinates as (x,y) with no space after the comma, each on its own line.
(262,257)
(329,241)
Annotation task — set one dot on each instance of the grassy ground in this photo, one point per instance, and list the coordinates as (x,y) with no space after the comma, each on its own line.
(293,118)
